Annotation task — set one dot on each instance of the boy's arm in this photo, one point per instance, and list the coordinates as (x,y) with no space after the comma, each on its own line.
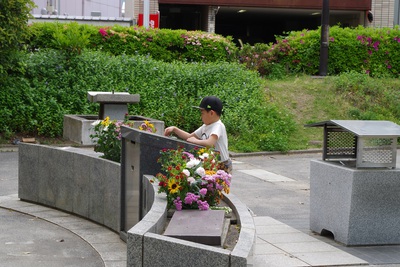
(180,133)
(207,142)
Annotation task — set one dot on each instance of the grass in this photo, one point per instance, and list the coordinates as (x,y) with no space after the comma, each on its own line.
(314,99)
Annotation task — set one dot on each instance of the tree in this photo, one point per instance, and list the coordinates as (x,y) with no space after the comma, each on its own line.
(14,15)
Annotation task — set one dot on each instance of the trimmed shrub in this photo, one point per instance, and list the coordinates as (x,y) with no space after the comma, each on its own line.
(161,44)
(365,50)
(55,85)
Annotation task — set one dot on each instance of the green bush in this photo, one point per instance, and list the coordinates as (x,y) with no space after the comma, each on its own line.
(14,16)
(161,44)
(365,50)
(55,85)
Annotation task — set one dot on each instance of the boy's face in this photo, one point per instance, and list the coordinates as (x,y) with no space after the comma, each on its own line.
(207,116)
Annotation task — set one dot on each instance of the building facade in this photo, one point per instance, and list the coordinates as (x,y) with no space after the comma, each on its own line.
(250,21)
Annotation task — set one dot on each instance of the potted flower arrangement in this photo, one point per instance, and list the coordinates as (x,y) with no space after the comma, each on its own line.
(107,136)
(191,179)
(147,126)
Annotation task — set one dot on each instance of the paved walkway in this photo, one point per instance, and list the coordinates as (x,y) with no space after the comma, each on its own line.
(276,190)
(34,235)
(274,187)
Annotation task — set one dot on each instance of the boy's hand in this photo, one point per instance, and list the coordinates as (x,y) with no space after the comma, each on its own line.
(169,130)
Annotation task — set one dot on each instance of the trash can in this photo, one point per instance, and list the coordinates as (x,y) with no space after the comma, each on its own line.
(354,189)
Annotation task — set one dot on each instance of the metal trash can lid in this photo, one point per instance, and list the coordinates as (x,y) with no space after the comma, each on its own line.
(363,127)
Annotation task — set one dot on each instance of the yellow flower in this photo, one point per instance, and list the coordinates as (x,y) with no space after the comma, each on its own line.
(210,172)
(106,121)
(147,126)
(202,151)
(173,186)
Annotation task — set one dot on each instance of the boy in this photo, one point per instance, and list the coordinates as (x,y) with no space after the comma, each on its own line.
(211,134)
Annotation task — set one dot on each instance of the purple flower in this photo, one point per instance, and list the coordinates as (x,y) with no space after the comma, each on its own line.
(203,191)
(188,154)
(178,203)
(190,198)
(203,205)
(376,44)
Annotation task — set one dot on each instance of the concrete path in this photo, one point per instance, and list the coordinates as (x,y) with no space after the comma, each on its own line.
(274,187)
(34,235)
(276,190)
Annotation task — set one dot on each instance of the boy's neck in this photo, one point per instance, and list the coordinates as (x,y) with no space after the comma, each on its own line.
(214,120)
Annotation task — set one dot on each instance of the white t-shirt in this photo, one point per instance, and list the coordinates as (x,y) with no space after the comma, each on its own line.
(217,128)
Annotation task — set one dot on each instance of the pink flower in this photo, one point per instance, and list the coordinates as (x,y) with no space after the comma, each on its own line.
(203,191)
(203,205)
(103,32)
(376,44)
(190,198)
(178,203)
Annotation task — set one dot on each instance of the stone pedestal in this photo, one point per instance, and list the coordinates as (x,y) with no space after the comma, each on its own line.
(113,105)
(358,206)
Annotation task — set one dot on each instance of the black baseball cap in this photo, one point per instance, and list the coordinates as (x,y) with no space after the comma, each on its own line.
(211,103)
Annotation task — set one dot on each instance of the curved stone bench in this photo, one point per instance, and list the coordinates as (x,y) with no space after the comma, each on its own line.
(80,182)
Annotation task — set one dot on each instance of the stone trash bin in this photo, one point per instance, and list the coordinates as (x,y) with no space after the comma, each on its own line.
(355,188)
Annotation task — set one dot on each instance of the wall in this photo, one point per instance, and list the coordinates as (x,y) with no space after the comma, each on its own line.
(71,179)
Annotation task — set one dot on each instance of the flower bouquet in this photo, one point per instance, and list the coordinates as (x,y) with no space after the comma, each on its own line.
(191,179)
(107,136)
(148,127)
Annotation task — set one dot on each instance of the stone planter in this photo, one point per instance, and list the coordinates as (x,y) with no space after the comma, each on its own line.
(78,128)
(148,246)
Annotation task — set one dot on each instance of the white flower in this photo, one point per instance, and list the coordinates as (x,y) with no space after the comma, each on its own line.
(201,171)
(96,123)
(204,156)
(192,163)
(191,180)
(105,129)
(186,172)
